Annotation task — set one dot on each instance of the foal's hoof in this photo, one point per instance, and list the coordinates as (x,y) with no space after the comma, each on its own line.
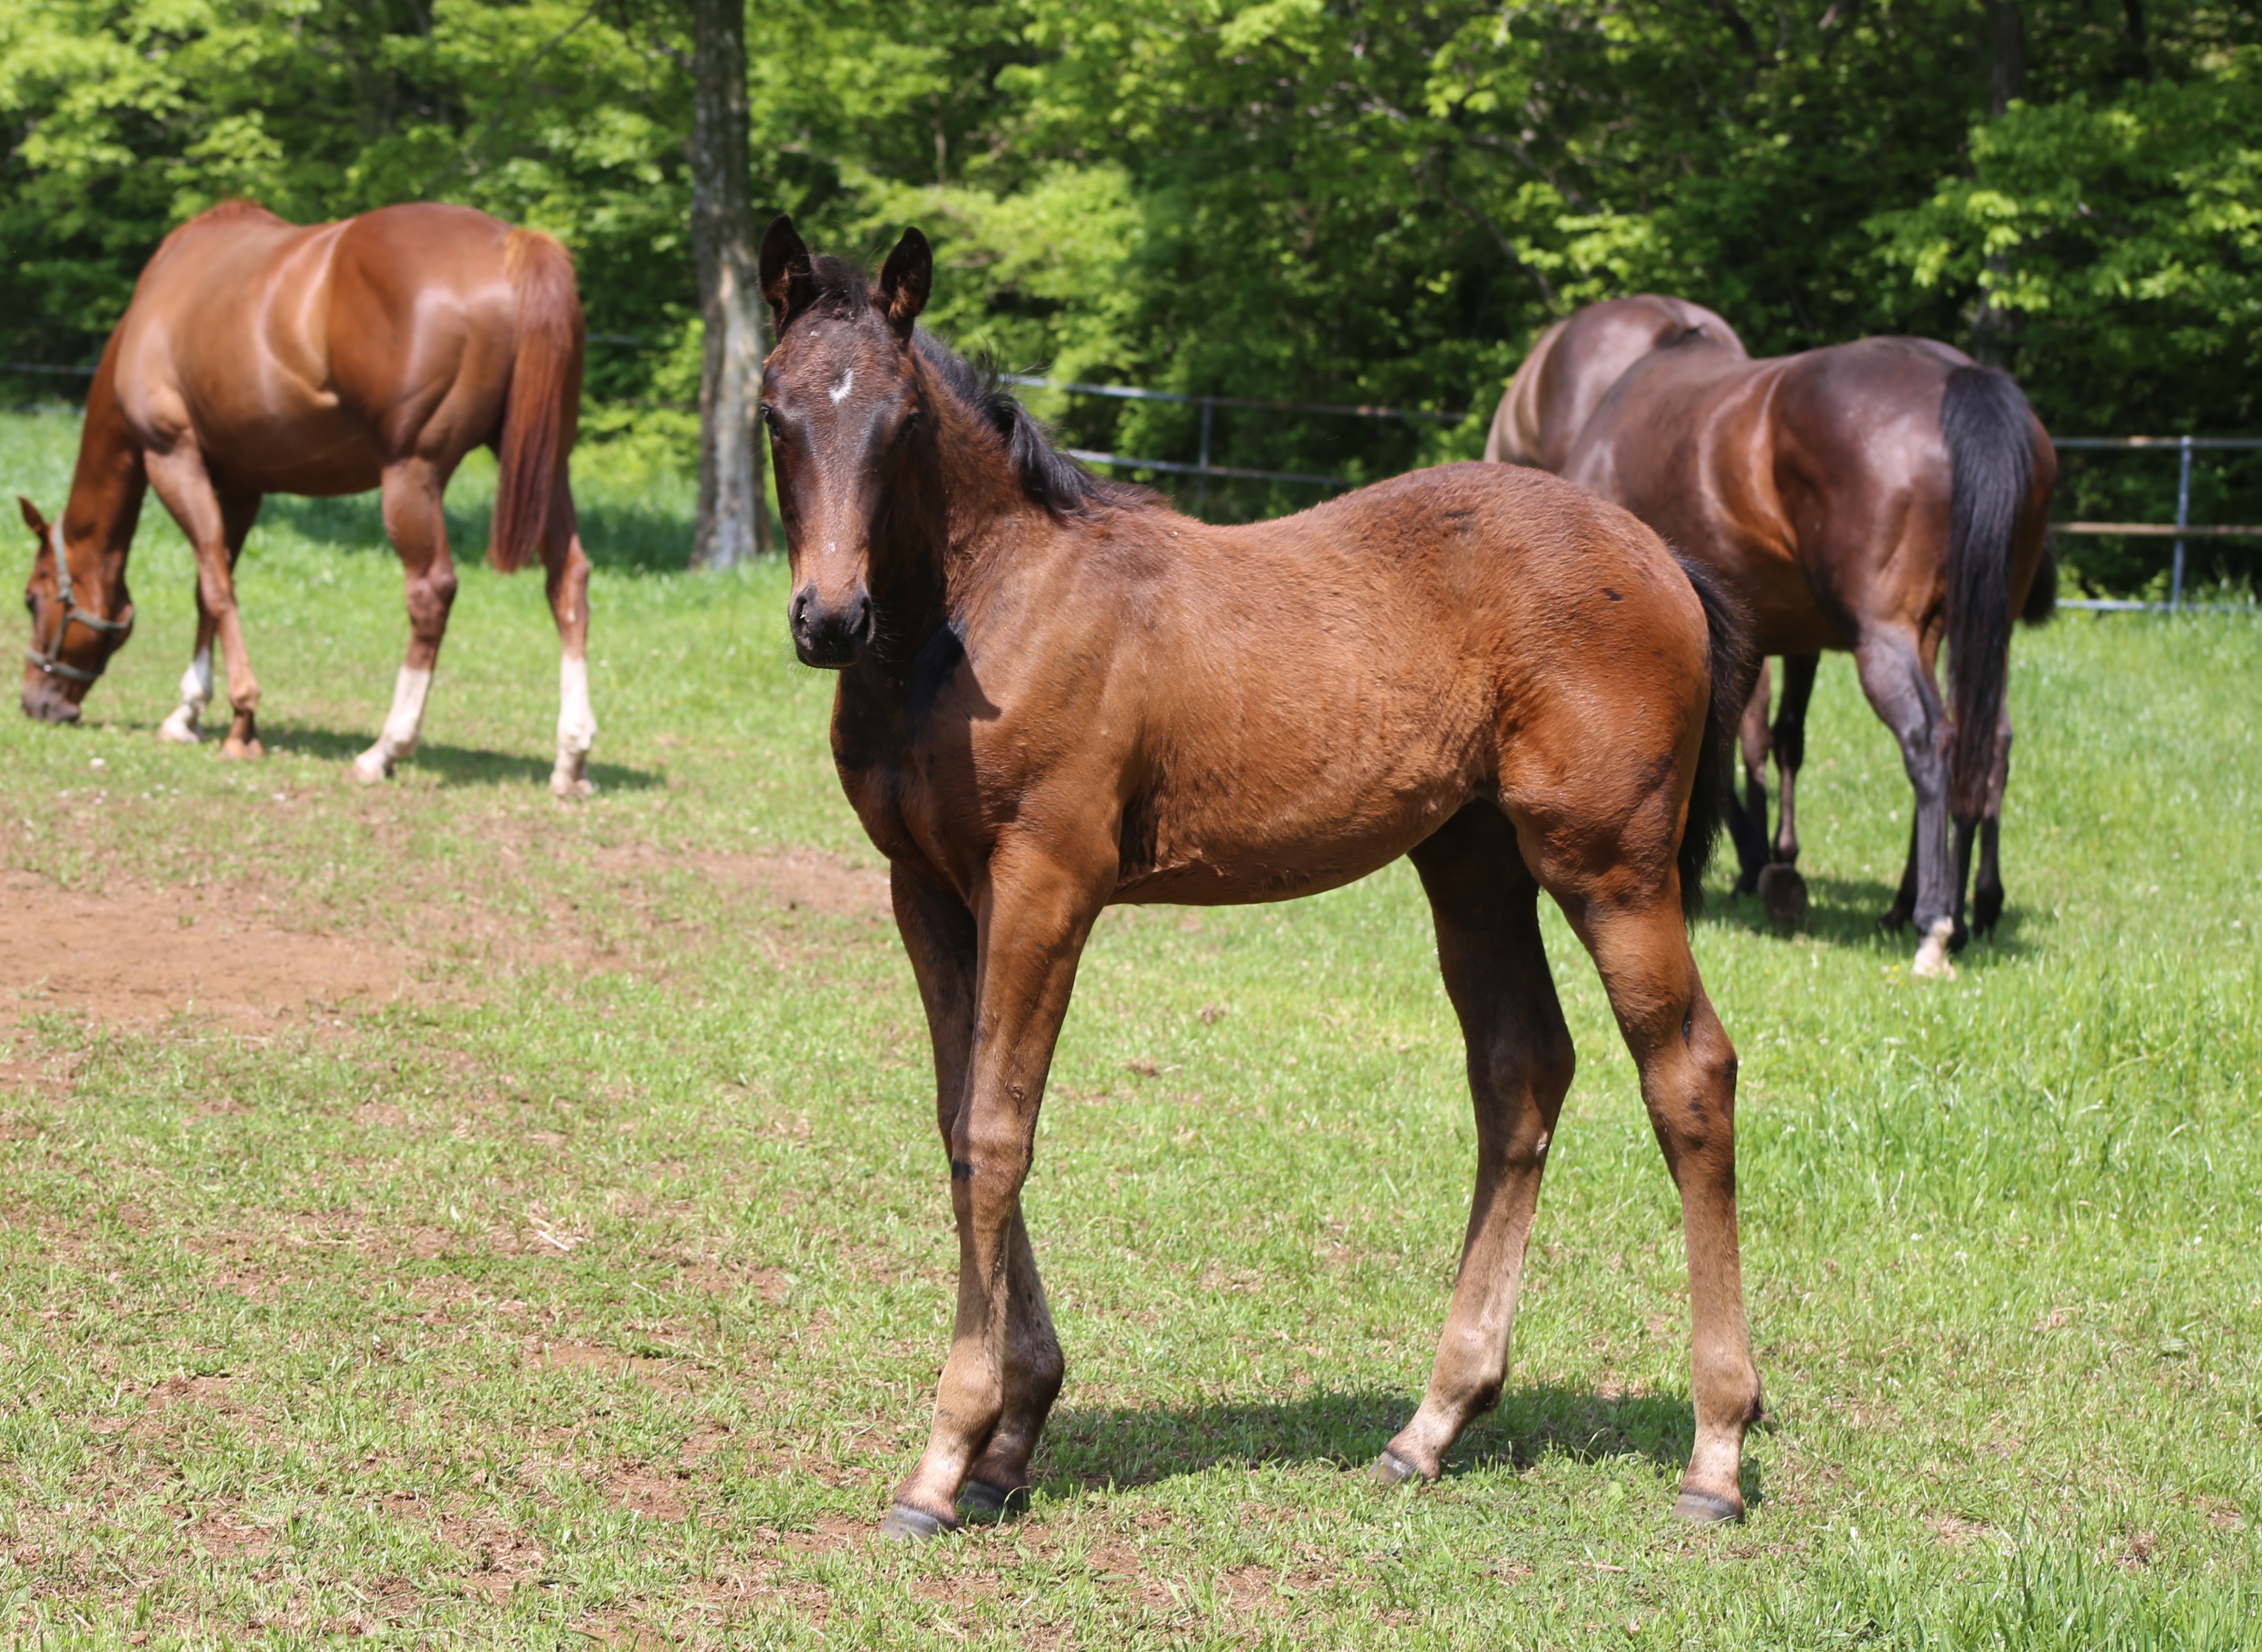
(234,751)
(1707,1508)
(908,1524)
(1391,1470)
(1783,891)
(983,1503)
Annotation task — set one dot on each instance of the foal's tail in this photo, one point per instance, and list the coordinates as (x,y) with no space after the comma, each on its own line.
(1988,427)
(545,403)
(1734,670)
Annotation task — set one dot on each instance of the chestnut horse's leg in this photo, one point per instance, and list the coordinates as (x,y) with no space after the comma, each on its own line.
(1486,905)
(1688,1085)
(1750,833)
(566,569)
(182,482)
(238,512)
(1004,1364)
(1780,886)
(418,528)
(1895,677)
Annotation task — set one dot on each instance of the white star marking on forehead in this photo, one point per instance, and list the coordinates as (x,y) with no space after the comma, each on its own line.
(841,389)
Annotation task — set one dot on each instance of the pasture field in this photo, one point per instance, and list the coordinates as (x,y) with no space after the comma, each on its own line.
(531,1232)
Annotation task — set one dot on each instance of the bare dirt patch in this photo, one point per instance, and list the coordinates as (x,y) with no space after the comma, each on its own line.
(137,953)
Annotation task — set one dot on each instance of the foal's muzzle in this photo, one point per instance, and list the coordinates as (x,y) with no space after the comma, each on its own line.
(830,635)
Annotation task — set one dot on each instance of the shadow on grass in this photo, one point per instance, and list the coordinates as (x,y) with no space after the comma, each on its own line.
(455,765)
(619,538)
(1086,1447)
(1843,912)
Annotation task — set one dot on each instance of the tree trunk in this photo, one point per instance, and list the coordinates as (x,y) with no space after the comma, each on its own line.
(1991,328)
(733,519)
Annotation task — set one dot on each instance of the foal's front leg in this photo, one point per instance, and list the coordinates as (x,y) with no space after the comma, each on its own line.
(1005,1365)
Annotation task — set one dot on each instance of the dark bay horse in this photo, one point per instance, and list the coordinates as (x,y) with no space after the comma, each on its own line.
(1057,694)
(1878,497)
(259,357)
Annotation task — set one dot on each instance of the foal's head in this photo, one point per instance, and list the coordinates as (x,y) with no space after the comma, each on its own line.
(840,398)
(78,621)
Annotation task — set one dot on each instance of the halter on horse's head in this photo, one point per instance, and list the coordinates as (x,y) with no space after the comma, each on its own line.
(61,669)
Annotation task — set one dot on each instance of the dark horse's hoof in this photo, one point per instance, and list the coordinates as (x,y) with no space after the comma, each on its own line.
(1707,1508)
(1783,891)
(986,1504)
(908,1524)
(1390,1469)
(1986,911)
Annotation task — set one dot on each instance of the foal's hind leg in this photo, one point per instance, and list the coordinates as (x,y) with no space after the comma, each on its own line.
(1688,1084)
(1486,905)
(415,523)
(567,579)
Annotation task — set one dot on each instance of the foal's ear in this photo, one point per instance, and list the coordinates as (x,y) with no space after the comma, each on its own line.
(33,519)
(904,280)
(788,281)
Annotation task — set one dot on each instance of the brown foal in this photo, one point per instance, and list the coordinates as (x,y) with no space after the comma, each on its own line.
(1876,497)
(259,357)
(1057,693)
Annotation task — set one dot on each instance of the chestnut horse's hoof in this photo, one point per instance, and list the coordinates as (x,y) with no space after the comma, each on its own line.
(234,751)
(1707,1508)
(986,1504)
(1391,1470)
(370,769)
(908,1524)
(1783,893)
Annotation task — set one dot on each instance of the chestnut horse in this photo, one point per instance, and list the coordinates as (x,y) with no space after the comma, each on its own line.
(1876,497)
(1056,694)
(259,357)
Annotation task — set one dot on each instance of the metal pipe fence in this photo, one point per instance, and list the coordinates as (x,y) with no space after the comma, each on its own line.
(2183,527)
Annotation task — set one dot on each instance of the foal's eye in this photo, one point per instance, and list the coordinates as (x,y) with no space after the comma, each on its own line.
(769,416)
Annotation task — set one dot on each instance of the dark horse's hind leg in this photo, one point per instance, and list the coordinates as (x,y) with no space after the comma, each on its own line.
(1747,826)
(1485,904)
(1987,896)
(1780,886)
(1895,676)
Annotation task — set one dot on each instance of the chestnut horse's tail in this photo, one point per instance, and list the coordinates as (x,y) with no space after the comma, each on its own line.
(544,403)
(1988,427)
(1734,671)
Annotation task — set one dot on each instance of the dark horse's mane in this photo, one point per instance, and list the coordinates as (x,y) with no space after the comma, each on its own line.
(1049,478)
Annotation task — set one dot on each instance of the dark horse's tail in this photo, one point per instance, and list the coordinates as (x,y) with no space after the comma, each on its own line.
(1735,669)
(545,396)
(1988,427)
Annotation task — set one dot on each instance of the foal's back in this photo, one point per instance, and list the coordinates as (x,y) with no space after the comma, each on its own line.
(1299,701)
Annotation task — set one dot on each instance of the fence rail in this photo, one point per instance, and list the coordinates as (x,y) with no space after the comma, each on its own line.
(2182,528)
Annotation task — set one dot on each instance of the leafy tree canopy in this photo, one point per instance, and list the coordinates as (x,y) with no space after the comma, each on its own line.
(1346,200)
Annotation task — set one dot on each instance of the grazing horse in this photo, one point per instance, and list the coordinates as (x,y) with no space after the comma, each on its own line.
(260,357)
(1057,694)
(1876,497)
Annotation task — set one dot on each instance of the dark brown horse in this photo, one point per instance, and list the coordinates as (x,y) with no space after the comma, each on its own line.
(1877,496)
(1056,694)
(258,357)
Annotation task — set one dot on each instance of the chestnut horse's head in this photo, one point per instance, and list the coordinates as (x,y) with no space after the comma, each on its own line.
(79,619)
(841,398)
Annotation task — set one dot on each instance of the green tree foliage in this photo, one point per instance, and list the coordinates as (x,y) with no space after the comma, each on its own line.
(1341,200)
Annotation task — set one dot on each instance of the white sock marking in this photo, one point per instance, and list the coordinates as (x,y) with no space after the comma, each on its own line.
(402,724)
(196,695)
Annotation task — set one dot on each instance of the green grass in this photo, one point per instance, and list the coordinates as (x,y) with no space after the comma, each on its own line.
(593,1292)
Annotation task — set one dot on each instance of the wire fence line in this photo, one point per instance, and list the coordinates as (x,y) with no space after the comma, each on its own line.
(2183,529)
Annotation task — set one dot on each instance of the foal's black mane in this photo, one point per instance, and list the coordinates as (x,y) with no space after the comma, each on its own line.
(1048,477)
